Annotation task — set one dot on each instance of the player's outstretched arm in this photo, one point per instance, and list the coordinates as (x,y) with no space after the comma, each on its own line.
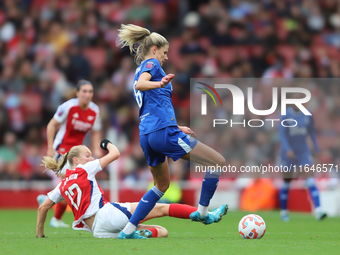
(144,82)
(42,213)
(51,130)
(111,156)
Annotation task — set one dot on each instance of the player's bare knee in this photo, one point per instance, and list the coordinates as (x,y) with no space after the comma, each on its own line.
(41,208)
(221,160)
(164,208)
(163,186)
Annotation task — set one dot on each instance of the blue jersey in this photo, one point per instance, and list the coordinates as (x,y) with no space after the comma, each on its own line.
(155,106)
(295,138)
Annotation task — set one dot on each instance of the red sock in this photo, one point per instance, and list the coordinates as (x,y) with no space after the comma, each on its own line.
(59,210)
(154,232)
(181,211)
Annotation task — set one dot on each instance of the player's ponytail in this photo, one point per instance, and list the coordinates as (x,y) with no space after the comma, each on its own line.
(54,164)
(130,35)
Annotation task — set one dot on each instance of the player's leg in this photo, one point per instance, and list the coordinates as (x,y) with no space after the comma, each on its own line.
(313,190)
(314,193)
(181,211)
(180,145)
(161,178)
(283,195)
(284,199)
(60,209)
(111,219)
(203,154)
(152,231)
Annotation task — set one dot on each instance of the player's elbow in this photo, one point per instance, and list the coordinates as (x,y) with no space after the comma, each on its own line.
(139,86)
(117,155)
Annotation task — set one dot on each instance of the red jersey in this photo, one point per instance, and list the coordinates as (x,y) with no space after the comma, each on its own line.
(81,192)
(75,123)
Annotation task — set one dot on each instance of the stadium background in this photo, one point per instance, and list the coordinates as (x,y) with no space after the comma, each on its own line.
(47,46)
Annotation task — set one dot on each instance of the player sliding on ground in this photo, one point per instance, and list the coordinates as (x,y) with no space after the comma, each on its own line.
(92,212)
(76,117)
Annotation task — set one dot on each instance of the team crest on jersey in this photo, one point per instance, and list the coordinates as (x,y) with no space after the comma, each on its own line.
(60,112)
(149,65)
(89,118)
(76,115)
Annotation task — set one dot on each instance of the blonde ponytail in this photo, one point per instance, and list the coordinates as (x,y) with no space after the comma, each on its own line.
(56,165)
(130,35)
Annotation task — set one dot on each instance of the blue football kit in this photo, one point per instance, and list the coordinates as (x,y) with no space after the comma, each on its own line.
(158,130)
(295,138)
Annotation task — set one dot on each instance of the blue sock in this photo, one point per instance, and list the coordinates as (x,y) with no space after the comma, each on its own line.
(284,196)
(314,192)
(145,205)
(209,186)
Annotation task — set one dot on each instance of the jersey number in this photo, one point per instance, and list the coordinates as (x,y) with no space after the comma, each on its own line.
(138,95)
(70,194)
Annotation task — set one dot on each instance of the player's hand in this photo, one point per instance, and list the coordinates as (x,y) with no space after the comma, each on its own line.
(50,152)
(290,154)
(104,143)
(187,131)
(166,79)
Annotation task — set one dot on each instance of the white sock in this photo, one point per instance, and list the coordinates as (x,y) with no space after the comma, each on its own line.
(203,210)
(284,212)
(129,228)
(317,210)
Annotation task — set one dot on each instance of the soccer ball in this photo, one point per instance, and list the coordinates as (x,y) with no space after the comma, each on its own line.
(252,226)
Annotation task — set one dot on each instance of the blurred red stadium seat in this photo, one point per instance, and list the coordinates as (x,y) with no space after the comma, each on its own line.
(174,54)
(38,4)
(255,50)
(96,57)
(333,52)
(227,55)
(281,30)
(205,43)
(32,103)
(318,40)
(287,52)
(159,14)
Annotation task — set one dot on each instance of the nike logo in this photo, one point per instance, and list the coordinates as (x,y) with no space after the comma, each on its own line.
(145,201)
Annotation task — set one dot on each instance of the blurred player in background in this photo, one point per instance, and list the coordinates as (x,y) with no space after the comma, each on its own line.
(74,118)
(295,151)
(160,136)
(92,212)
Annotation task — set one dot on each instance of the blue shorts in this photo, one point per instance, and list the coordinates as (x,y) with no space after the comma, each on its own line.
(167,142)
(299,160)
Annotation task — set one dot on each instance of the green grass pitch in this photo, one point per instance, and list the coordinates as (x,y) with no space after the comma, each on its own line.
(302,235)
